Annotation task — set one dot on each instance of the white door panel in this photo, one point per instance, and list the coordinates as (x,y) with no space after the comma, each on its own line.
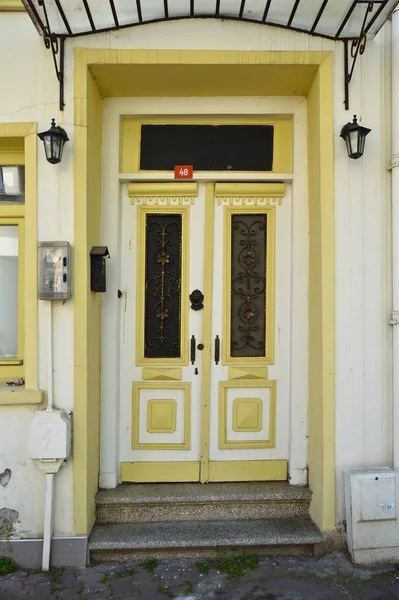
(251,405)
(159,416)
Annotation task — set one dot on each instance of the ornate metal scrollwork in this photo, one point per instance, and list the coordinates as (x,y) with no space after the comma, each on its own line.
(163,286)
(248,285)
(56,45)
(358,46)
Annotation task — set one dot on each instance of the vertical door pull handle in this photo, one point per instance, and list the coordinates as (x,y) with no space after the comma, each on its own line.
(217,349)
(192,349)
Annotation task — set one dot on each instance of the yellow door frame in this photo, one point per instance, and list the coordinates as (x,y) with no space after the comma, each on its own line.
(87,192)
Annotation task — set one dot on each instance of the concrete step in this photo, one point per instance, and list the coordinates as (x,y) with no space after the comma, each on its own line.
(125,542)
(140,503)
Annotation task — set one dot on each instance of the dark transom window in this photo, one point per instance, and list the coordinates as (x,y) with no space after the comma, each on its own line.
(207,147)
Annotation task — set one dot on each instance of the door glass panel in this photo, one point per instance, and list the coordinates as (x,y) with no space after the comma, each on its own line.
(163,286)
(8,291)
(248,285)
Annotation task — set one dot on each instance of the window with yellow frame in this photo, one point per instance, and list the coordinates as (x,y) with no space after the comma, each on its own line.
(12,257)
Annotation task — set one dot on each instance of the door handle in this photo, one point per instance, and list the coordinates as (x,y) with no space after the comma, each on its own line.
(192,349)
(217,349)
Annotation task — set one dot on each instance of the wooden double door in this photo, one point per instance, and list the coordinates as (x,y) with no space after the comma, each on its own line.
(204,353)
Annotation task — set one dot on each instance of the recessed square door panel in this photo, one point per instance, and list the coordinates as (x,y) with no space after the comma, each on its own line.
(247,415)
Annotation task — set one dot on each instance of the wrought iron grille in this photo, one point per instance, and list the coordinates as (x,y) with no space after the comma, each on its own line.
(163,286)
(248,285)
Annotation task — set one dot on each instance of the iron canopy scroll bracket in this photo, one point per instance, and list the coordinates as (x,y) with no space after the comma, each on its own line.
(42,13)
(56,45)
(357,46)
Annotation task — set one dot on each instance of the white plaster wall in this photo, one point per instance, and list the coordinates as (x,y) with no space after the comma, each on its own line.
(363,343)
(29,92)
(363,274)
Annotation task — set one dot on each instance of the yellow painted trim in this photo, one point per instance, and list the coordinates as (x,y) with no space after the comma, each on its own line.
(207,329)
(31,358)
(321,423)
(153,385)
(142,212)
(130,146)
(249,428)
(224,442)
(19,139)
(12,152)
(131,137)
(21,288)
(87,172)
(268,359)
(87,163)
(159,472)
(14,137)
(11,361)
(12,210)
(153,407)
(13,368)
(163,189)
(14,396)
(11,6)
(249,190)
(250,470)
(254,373)
(162,374)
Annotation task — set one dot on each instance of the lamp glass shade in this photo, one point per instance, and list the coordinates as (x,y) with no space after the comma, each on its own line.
(355,138)
(54,140)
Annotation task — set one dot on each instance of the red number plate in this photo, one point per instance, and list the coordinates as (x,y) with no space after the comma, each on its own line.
(184,171)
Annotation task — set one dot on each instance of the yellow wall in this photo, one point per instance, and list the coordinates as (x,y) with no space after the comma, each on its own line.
(321,423)
(87,169)
(87,346)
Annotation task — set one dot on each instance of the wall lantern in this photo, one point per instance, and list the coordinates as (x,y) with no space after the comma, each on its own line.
(355,138)
(54,140)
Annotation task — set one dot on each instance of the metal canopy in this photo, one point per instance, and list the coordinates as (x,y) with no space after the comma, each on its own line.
(347,20)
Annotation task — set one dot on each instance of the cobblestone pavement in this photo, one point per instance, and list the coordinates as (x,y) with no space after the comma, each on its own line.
(332,577)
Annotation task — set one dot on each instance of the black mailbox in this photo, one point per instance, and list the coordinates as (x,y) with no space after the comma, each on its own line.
(98,255)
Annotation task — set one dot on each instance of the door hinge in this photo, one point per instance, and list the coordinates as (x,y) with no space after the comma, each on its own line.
(394,318)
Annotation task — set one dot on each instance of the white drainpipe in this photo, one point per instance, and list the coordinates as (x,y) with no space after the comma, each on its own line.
(395,232)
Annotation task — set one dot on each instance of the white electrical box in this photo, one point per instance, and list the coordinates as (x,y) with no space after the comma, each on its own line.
(50,435)
(54,271)
(372,528)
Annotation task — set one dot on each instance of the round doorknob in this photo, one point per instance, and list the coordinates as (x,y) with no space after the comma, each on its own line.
(200,346)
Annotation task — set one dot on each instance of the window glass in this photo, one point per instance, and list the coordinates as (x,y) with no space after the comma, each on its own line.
(248,284)
(8,291)
(12,185)
(207,147)
(163,286)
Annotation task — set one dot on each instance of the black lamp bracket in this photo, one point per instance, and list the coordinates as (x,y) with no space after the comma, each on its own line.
(358,46)
(56,45)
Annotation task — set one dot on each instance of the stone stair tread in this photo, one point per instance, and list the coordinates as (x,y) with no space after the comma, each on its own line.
(205,534)
(147,493)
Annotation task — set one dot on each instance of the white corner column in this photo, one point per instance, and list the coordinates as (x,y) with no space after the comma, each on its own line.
(395,232)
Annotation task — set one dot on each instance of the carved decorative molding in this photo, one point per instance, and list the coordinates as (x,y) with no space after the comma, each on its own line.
(163,193)
(255,194)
